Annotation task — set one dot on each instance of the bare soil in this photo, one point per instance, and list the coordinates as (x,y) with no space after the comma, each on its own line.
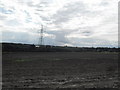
(60,70)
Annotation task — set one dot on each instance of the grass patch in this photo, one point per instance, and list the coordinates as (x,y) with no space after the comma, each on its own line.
(22,60)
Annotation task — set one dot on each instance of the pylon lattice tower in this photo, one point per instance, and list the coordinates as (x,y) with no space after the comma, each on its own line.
(40,42)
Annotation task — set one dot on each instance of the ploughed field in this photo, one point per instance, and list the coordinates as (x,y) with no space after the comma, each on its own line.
(60,70)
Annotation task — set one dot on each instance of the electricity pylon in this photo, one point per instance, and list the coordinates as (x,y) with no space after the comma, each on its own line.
(40,42)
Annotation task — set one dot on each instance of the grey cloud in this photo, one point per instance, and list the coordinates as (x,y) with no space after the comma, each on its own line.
(3,17)
(24,37)
(89,42)
(40,4)
(60,39)
(87,33)
(44,18)
(111,19)
(12,22)
(21,37)
(104,3)
(69,11)
(60,36)
(76,9)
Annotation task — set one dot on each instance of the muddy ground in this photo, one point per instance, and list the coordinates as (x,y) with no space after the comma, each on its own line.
(60,70)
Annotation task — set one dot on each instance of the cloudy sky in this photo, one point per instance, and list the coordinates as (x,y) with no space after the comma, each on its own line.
(66,22)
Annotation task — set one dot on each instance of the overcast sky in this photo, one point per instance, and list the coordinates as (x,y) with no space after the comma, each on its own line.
(66,22)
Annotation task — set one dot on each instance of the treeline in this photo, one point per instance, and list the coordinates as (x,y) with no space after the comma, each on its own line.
(16,47)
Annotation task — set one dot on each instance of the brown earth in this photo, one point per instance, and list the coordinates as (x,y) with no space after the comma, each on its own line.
(60,70)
